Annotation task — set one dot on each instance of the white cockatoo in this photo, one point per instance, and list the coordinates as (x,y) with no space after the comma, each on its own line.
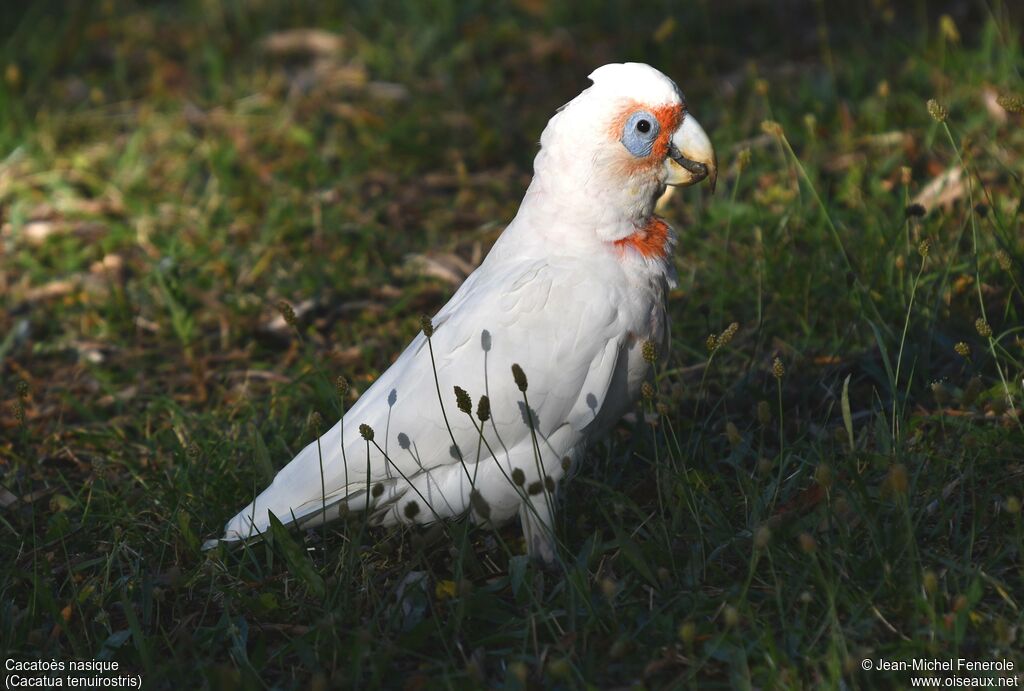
(550,328)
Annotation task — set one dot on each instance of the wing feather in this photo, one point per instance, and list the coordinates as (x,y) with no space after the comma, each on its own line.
(562,324)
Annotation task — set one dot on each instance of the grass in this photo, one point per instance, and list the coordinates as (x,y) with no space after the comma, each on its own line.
(839,478)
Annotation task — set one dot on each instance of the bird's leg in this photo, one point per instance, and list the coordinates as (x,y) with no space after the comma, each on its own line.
(537,515)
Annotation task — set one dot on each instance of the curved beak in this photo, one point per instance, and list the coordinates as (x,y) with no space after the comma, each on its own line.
(691,157)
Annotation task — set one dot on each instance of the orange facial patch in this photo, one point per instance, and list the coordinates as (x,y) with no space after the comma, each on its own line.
(651,241)
(669,117)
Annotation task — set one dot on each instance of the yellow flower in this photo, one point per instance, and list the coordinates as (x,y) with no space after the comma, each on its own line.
(445,590)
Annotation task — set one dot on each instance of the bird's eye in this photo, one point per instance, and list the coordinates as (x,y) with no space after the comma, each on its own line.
(639,133)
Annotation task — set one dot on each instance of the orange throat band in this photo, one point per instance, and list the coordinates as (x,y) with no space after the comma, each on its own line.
(650,240)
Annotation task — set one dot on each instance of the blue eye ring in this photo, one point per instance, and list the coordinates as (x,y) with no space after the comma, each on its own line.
(639,133)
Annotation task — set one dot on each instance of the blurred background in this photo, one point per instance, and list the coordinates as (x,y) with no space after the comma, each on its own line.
(171,172)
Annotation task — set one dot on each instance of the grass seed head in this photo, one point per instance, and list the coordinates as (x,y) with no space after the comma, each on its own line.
(962,349)
(772,128)
(811,123)
(519,671)
(427,326)
(732,433)
(839,434)
(915,211)
(341,385)
(897,480)
(647,391)
(1011,103)
(939,389)
(620,648)
(19,412)
(984,330)
(823,475)
(937,110)
(711,342)
(923,247)
(22,388)
(930,582)
(483,409)
(559,668)
(948,28)
(762,536)
(519,376)
(650,352)
(726,336)
(842,507)
(608,588)
(518,476)
(1004,260)
(743,158)
(288,313)
(411,509)
(778,369)
(12,74)
(480,505)
(463,401)
(366,432)
(315,423)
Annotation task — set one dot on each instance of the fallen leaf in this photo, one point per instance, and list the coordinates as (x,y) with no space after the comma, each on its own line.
(990,97)
(303,43)
(53,289)
(448,267)
(7,498)
(944,190)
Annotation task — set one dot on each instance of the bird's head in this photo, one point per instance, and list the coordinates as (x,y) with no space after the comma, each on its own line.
(608,154)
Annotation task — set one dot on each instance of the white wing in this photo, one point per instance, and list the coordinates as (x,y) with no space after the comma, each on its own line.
(564,324)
